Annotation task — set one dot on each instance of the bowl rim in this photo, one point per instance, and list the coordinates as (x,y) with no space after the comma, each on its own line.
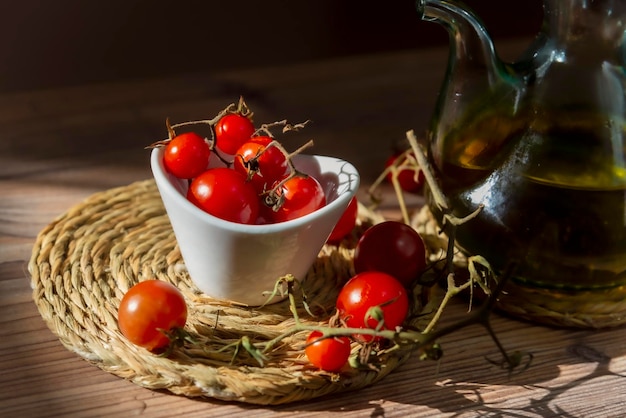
(165,186)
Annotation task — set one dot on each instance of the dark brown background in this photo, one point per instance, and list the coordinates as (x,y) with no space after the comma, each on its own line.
(47,44)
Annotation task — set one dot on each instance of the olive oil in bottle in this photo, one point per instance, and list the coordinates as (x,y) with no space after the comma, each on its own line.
(554,196)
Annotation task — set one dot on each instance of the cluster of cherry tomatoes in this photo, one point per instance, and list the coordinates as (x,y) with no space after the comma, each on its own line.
(389,257)
(259,185)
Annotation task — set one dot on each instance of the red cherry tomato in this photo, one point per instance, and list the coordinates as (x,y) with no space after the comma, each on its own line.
(346,223)
(266,215)
(147,310)
(369,289)
(393,248)
(406,176)
(186,155)
(262,165)
(224,193)
(231,131)
(300,196)
(329,354)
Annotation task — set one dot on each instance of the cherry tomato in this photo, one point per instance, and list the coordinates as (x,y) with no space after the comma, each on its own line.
(346,223)
(266,215)
(263,166)
(367,290)
(393,248)
(186,155)
(148,310)
(231,131)
(329,354)
(300,196)
(406,176)
(226,194)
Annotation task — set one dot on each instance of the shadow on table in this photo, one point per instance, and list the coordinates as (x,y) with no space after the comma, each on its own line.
(466,383)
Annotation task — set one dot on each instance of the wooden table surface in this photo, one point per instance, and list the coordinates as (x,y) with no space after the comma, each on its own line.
(58,147)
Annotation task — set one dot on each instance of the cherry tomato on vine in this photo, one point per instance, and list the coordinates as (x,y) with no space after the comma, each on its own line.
(367,290)
(329,354)
(346,223)
(262,165)
(406,176)
(231,131)
(148,310)
(265,214)
(186,155)
(225,193)
(393,248)
(300,196)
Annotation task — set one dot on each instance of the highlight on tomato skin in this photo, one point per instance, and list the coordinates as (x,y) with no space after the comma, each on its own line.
(186,155)
(329,354)
(262,164)
(299,195)
(148,311)
(225,193)
(232,131)
(367,290)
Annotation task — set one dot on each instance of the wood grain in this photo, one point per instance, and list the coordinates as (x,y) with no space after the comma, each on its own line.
(59,146)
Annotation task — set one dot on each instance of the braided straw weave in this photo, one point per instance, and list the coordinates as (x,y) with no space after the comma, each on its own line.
(84,262)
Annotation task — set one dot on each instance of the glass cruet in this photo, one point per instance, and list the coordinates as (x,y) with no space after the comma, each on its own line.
(540,143)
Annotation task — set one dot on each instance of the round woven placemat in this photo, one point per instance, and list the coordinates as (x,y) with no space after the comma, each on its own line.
(84,262)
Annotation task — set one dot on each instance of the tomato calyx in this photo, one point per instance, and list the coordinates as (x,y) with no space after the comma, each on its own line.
(296,196)
(264,161)
(177,337)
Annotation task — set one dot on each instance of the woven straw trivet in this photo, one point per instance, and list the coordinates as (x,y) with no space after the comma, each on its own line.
(84,262)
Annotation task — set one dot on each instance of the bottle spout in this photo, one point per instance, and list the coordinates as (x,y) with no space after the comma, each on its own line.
(471,46)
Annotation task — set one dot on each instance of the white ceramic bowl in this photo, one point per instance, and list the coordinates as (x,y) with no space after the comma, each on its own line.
(241,263)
